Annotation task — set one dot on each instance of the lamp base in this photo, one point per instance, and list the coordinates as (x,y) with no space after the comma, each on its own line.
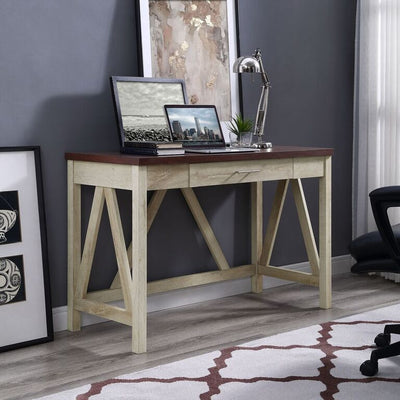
(262,145)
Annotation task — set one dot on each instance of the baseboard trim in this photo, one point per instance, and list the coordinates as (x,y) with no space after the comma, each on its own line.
(183,297)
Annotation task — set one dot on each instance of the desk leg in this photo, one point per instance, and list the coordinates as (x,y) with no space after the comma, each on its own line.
(139,259)
(256,233)
(325,277)
(74,246)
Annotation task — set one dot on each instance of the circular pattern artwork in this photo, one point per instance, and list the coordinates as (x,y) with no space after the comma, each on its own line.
(7,221)
(10,280)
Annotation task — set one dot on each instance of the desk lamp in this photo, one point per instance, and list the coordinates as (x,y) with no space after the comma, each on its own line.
(254,64)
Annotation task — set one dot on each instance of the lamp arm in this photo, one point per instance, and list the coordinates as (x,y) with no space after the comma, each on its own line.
(264,75)
(261,112)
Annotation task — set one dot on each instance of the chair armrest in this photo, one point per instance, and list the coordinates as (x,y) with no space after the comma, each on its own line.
(381,200)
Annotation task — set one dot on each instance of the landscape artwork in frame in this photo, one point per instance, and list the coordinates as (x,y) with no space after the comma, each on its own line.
(25,308)
(195,41)
(139,105)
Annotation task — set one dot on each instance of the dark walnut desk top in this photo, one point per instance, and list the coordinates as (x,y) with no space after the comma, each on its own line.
(275,152)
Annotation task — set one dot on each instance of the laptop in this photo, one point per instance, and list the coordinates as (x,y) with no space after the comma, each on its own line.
(198,128)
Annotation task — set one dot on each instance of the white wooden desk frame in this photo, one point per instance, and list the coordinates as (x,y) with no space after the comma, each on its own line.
(140,174)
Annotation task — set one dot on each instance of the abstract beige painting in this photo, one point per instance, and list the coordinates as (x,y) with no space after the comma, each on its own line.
(190,41)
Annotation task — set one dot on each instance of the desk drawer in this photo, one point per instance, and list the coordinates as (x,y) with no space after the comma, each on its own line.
(224,173)
(167,176)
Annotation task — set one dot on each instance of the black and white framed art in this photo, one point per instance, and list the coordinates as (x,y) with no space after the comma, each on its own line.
(25,307)
(139,106)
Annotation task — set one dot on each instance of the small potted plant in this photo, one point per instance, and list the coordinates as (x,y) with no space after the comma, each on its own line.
(241,127)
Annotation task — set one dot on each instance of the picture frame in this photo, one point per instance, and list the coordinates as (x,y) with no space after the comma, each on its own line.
(139,107)
(25,304)
(173,46)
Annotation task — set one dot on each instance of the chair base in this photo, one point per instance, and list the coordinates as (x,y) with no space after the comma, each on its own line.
(370,367)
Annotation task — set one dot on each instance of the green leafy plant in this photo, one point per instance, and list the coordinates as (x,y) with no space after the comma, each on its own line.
(239,125)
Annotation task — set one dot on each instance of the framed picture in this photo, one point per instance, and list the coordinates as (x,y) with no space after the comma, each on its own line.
(25,308)
(139,106)
(195,41)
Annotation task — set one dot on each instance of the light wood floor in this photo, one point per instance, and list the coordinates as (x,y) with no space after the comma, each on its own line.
(103,350)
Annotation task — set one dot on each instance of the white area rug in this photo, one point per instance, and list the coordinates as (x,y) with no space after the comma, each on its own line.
(318,362)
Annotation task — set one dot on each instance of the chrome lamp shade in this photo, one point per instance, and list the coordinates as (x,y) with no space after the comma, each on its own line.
(246,64)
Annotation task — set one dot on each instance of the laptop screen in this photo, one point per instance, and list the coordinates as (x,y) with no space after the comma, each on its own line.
(194,125)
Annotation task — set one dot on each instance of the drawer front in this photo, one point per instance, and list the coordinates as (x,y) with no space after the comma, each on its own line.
(167,176)
(240,172)
(100,174)
(308,167)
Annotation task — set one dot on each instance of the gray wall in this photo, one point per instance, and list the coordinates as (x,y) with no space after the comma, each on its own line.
(308,51)
(55,61)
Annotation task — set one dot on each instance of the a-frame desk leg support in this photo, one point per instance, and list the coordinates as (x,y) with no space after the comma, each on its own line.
(320,264)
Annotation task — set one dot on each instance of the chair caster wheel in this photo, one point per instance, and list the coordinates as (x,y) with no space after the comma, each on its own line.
(382,340)
(369,368)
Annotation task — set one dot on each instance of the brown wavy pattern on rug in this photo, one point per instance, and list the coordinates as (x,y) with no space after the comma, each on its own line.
(214,380)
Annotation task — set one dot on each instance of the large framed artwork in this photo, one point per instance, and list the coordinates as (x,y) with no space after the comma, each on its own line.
(196,41)
(25,310)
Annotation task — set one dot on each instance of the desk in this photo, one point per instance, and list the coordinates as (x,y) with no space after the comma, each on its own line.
(139,174)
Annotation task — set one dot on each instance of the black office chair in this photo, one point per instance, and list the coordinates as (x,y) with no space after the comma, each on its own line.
(379,251)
